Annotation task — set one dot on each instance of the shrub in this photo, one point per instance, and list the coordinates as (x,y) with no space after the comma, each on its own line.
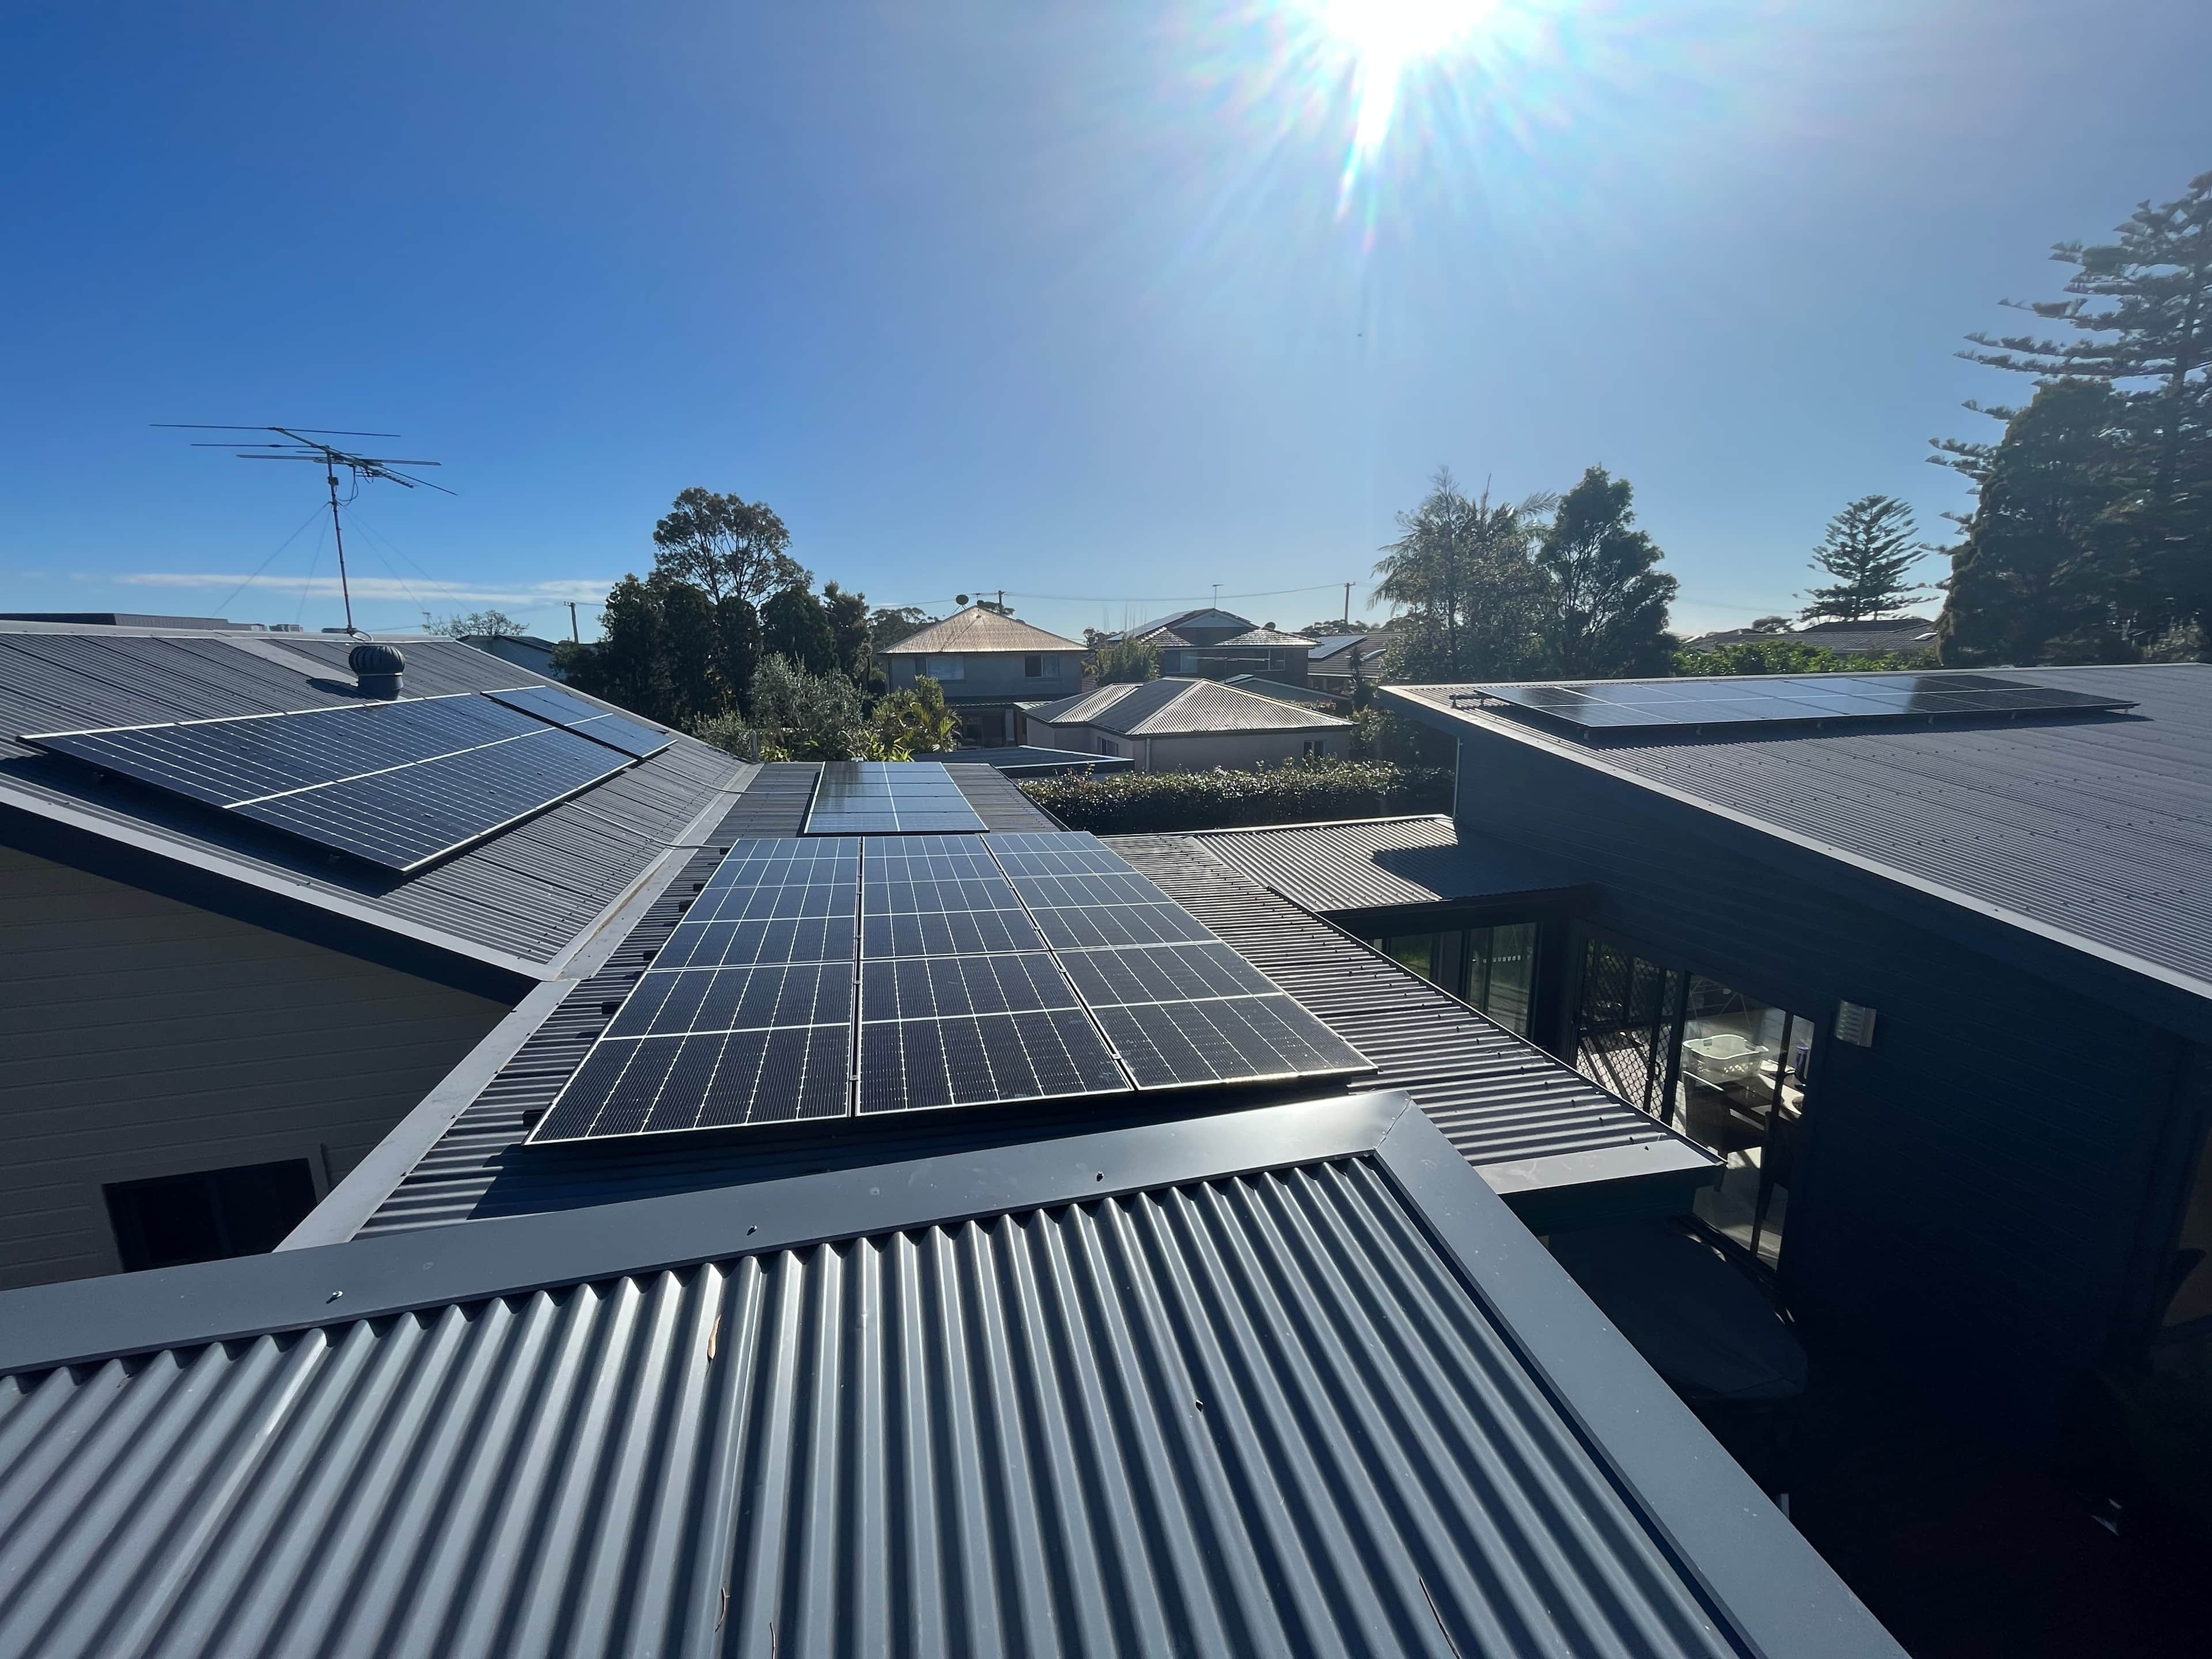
(916,722)
(1139,803)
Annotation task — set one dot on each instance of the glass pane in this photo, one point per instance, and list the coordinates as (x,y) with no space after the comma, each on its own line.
(1740,1094)
(1501,972)
(1414,951)
(1624,1024)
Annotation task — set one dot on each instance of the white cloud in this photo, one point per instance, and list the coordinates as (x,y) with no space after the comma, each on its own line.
(531,595)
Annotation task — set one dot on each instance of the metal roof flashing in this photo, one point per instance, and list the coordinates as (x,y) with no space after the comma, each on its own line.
(1204,1358)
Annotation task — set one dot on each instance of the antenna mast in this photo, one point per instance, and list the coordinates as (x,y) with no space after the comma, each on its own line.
(303,443)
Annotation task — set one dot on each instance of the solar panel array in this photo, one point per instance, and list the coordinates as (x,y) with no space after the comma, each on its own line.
(549,703)
(888,797)
(397,784)
(1614,706)
(826,977)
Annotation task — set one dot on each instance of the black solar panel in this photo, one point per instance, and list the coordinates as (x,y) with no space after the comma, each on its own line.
(888,797)
(923,1065)
(744,1017)
(397,784)
(626,732)
(1619,706)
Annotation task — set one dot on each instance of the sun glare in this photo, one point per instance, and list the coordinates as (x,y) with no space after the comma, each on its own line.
(1388,37)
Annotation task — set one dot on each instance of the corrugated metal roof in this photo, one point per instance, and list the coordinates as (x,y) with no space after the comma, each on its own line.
(2091,829)
(1263,687)
(527,895)
(1171,707)
(1532,1124)
(1269,636)
(1373,863)
(978,629)
(1508,1107)
(1026,760)
(1275,1384)
(999,801)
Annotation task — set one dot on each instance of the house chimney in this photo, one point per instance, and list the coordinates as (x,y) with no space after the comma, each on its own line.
(379,668)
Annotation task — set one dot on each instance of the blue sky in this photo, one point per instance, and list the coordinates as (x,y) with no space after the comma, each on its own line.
(1071,300)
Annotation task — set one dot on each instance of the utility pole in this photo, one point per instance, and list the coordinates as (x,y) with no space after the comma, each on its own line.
(573,633)
(345,588)
(1217,596)
(1347,605)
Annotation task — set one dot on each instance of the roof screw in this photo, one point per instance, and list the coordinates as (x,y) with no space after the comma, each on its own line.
(334,1295)
(1101,1175)
(752,1230)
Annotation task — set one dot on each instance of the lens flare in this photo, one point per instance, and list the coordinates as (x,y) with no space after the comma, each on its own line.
(1387,39)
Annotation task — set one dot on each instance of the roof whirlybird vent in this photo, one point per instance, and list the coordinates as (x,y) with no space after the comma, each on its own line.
(379,667)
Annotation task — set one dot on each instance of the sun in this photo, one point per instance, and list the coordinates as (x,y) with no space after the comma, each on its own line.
(1385,38)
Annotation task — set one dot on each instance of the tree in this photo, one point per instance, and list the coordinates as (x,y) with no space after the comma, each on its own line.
(794,624)
(1603,611)
(480,624)
(2141,311)
(888,627)
(723,544)
(916,721)
(1868,548)
(802,715)
(1771,624)
(848,615)
(1121,662)
(2033,580)
(1464,572)
(737,648)
(1322,630)
(627,666)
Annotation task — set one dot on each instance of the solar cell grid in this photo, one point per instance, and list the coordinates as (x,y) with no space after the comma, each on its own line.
(1167,973)
(936,987)
(910,1066)
(653,1086)
(692,1001)
(888,797)
(565,709)
(1232,1040)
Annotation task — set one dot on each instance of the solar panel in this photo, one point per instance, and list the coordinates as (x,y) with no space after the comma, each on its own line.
(888,797)
(1678,705)
(961,1004)
(744,1017)
(1180,1007)
(633,737)
(396,784)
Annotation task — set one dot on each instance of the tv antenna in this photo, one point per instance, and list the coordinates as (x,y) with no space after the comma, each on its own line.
(304,443)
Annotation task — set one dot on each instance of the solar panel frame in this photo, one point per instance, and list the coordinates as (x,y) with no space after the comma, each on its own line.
(888,797)
(557,707)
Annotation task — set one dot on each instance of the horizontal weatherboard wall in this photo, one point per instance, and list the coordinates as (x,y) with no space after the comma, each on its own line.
(140,1037)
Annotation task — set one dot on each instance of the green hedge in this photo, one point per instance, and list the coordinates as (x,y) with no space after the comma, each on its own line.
(1140,803)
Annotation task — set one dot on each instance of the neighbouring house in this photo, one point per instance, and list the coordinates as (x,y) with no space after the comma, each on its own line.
(1303,696)
(131,619)
(1340,661)
(1182,725)
(1217,645)
(988,665)
(214,1002)
(523,650)
(1889,636)
(1925,958)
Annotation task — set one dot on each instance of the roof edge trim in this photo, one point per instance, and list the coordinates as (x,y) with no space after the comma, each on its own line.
(86,1320)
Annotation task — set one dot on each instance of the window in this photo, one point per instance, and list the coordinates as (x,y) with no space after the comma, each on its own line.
(1492,967)
(210,1214)
(1032,668)
(1313,749)
(1108,746)
(947,668)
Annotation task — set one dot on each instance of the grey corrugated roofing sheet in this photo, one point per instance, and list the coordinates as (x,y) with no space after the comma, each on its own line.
(1027,760)
(1541,1132)
(1173,705)
(520,899)
(2087,829)
(1375,864)
(1283,1383)
(1305,694)
(999,801)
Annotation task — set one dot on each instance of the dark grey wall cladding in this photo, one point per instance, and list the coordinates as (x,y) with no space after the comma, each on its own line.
(1973,1185)
(529,893)
(1256,1415)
